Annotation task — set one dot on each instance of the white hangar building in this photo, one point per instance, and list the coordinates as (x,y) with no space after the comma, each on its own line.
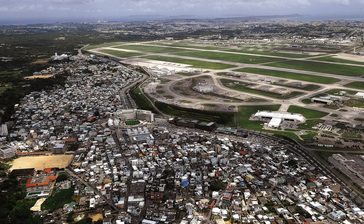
(277,117)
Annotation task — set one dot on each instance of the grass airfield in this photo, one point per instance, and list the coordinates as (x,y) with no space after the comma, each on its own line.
(245,79)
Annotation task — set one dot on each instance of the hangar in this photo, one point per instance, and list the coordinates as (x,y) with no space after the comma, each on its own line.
(277,117)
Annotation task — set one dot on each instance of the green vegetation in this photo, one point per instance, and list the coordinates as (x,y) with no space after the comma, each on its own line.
(28,45)
(307,113)
(310,123)
(339,92)
(62,176)
(290,75)
(245,112)
(309,135)
(244,87)
(194,63)
(356,85)
(264,52)
(286,134)
(120,54)
(345,70)
(151,49)
(141,100)
(229,57)
(217,185)
(132,122)
(338,60)
(225,118)
(13,209)
(21,213)
(312,117)
(355,103)
(58,199)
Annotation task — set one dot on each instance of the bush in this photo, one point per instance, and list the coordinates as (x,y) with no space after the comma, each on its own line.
(62,176)
(58,199)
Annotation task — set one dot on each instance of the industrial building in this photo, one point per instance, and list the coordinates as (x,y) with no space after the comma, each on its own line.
(329,99)
(276,117)
(360,94)
(135,114)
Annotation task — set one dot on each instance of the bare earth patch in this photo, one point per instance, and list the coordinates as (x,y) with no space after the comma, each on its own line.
(42,162)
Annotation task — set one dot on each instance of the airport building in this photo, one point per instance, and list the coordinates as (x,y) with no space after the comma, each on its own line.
(329,99)
(360,94)
(276,117)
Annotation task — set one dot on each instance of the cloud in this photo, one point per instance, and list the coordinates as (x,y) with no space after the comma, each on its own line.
(122,8)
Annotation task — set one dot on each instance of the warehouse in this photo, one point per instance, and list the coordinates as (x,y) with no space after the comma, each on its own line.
(276,118)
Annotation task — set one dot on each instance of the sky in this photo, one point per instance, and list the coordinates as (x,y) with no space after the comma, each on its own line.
(72,10)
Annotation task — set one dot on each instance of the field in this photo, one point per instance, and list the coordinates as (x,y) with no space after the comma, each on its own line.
(339,60)
(152,49)
(228,57)
(42,162)
(290,75)
(194,63)
(345,70)
(258,51)
(356,85)
(132,122)
(307,113)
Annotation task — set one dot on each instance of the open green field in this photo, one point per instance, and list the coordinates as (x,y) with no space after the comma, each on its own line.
(120,54)
(307,113)
(239,58)
(263,52)
(290,75)
(132,122)
(245,112)
(151,49)
(356,85)
(339,60)
(345,70)
(194,63)
(243,87)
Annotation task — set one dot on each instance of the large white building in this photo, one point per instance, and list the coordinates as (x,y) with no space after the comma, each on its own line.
(135,114)
(277,117)
(360,94)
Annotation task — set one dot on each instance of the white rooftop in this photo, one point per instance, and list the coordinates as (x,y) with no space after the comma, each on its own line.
(281,115)
(360,94)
